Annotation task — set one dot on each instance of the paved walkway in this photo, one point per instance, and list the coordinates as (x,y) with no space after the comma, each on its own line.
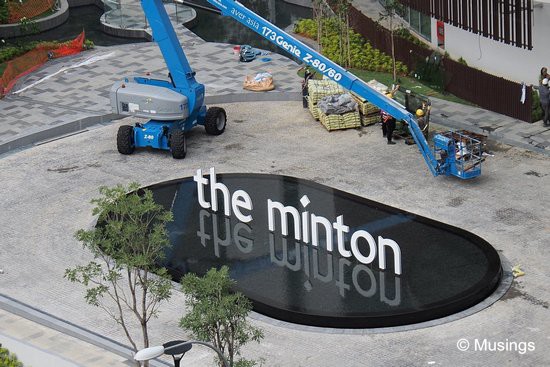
(73,98)
(75,93)
(37,345)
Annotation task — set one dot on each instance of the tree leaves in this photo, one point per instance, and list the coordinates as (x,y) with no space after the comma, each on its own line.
(217,314)
(362,54)
(128,242)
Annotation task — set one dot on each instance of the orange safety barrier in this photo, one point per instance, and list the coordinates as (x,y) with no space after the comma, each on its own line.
(28,9)
(35,58)
(71,48)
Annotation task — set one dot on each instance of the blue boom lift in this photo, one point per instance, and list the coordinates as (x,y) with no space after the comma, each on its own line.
(175,107)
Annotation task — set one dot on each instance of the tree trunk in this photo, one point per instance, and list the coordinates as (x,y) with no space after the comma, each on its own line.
(393,51)
(348,38)
(318,15)
(145,339)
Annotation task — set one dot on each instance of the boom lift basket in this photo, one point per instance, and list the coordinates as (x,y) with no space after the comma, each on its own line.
(458,154)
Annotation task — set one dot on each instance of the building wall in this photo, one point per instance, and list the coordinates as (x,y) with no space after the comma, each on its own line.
(497,58)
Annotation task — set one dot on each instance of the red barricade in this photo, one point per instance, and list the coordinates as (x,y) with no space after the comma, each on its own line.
(35,58)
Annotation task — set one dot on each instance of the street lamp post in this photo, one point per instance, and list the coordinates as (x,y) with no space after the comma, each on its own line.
(175,348)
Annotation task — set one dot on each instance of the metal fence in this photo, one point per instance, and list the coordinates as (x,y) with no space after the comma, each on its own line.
(485,90)
(488,91)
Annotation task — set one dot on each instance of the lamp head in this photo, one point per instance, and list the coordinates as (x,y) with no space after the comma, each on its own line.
(149,353)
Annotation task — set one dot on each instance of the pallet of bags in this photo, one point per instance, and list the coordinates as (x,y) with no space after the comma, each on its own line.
(370,114)
(365,107)
(371,119)
(318,89)
(339,111)
(349,120)
(376,85)
(313,108)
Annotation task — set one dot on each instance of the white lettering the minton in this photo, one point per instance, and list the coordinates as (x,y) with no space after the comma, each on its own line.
(317,229)
(307,227)
(239,199)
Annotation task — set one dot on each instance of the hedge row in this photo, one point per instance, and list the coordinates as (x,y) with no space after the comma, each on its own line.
(10,52)
(362,54)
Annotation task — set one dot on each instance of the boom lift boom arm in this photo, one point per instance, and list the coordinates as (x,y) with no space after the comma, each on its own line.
(444,145)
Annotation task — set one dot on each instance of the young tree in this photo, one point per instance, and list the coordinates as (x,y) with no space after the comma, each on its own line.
(318,6)
(342,13)
(127,243)
(218,315)
(392,9)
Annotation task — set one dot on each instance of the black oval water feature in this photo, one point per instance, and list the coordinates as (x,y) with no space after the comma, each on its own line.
(444,269)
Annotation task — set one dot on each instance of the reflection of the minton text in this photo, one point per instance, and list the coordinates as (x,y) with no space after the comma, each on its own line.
(295,256)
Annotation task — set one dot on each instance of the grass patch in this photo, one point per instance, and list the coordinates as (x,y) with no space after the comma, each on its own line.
(405,82)
(2,67)
(408,83)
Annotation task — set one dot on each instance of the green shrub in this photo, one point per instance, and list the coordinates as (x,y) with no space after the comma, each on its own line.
(88,44)
(7,359)
(362,54)
(4,11)
(306,27)
(27,26)
(462,61)
(10,52)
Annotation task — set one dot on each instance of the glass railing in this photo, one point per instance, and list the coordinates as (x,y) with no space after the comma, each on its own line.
(127,14)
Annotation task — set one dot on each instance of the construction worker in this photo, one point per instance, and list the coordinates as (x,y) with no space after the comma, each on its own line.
(421,119)
(388,123)
(307,76)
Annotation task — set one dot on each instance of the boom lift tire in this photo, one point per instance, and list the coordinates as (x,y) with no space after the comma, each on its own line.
(215,121)
(178,145)
(125,140)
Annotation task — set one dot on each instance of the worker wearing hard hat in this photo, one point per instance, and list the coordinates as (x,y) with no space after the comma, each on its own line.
(421,119)
(388,123)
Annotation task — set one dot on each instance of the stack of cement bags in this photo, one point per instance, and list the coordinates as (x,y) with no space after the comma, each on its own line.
(318,89)
(338,111)
(370,114)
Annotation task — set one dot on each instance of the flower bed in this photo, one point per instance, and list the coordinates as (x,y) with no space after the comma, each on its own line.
(20,11)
